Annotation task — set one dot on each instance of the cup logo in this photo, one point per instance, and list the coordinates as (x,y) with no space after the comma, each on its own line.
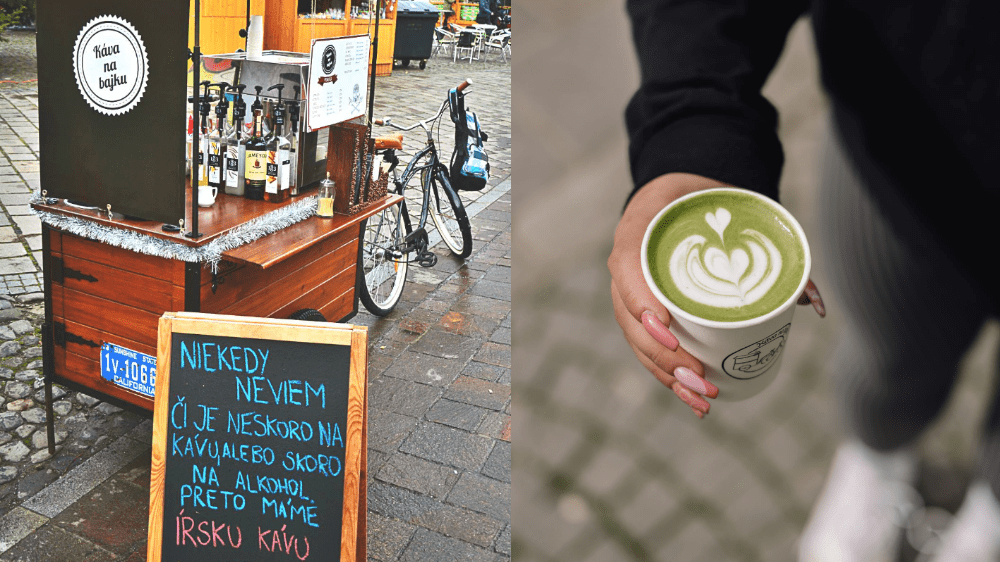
(734,272)
(755,359)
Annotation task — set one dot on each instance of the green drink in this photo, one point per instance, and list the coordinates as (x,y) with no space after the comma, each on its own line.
(726,255)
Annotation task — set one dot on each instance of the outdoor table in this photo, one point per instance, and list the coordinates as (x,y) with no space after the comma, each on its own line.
(97,294)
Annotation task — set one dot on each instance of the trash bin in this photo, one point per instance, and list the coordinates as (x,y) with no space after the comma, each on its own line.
(414,31)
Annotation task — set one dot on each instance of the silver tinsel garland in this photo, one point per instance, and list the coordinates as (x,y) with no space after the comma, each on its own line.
(209,254)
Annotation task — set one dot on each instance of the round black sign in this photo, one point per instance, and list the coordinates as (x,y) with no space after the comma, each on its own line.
(329,59)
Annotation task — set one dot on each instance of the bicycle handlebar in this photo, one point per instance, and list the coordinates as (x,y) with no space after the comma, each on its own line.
(387,121)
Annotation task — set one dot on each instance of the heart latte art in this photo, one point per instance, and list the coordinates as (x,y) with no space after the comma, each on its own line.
(725,256)
(706,273)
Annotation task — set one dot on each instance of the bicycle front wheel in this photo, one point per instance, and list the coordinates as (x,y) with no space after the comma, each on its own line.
(449,215)
(384,267)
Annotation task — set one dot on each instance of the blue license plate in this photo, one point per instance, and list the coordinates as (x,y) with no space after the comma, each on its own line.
(129,369)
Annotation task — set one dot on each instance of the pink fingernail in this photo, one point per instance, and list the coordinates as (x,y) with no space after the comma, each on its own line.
(690,379)
(700,414)
(659,332)
(690,398)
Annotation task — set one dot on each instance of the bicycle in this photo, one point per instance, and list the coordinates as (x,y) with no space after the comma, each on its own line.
(390,236)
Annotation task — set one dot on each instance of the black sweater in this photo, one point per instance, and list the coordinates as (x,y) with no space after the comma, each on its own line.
(915,90)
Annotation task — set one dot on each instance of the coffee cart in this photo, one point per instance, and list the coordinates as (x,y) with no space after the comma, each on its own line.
(123,239)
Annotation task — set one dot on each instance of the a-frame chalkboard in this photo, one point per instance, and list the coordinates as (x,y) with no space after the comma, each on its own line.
(259,440)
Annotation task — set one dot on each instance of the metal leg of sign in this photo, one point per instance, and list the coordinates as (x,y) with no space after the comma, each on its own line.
(50,418)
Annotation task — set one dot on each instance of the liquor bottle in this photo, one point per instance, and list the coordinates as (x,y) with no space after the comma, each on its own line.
(190,141)
(277,154)
(237,146)
(254,107)
(293,143)
(256,161)
(203,108)
(217,142)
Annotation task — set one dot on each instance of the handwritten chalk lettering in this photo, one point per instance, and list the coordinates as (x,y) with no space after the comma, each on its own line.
(199,496)
(279,541)
(194,447)
(212,357)
(263,425)
(260,390)
(256,484)
(206,475)
(287,509)
(178,414)
(205,533)
(207,417)
(325,465)
(328,437)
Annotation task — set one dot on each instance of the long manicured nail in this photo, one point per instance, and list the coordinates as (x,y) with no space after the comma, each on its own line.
(659,332)
(815,299)
(690,379)
(701,415)
(691,398)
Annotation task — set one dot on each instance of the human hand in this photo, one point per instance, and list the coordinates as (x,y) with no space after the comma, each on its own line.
(644,320)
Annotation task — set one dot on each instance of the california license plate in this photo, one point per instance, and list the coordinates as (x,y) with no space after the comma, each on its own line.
(129,369)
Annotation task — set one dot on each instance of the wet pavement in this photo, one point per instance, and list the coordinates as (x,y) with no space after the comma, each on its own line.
(439,484)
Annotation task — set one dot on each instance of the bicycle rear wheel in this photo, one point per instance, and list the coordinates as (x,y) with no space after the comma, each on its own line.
(384,268)
(449,214)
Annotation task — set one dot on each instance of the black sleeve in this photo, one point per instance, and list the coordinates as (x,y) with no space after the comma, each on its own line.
(699,108)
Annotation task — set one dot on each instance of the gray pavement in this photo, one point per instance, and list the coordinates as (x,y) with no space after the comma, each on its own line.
(610,466)
(439,484)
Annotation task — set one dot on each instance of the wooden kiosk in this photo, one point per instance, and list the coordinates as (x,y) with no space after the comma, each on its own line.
(112,137)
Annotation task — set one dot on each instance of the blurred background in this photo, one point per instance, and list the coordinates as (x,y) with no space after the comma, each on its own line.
(608,464)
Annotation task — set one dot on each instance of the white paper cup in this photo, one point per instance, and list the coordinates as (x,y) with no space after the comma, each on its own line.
(741,358)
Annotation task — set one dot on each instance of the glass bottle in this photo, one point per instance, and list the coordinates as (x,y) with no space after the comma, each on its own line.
(256,162)
(293,142)
(236,146)
(277,153)
(327,192)
(204,107)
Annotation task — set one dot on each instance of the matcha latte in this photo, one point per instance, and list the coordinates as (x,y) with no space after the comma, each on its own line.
(726,255)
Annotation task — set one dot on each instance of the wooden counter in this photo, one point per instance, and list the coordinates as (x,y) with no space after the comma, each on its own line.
(97,293)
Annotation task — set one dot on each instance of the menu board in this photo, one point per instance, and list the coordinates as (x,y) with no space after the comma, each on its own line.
(338,69)
(258,440)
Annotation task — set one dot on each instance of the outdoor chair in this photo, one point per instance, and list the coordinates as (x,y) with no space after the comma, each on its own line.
(500,41)
(467,40)
(443,39)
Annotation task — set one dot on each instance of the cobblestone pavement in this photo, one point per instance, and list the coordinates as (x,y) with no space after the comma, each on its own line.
(610,466)
(439,483)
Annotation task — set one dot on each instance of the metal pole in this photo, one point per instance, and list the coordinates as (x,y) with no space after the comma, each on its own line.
(195,140)
(371,103)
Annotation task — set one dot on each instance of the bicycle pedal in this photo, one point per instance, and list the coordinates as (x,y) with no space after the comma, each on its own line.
(427,259)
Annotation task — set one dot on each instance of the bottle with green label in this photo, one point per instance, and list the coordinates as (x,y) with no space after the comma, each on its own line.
(256,161)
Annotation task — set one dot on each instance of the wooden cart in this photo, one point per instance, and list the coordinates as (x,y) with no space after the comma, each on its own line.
(96,293)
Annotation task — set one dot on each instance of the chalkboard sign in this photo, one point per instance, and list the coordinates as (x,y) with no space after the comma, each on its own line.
(258,440)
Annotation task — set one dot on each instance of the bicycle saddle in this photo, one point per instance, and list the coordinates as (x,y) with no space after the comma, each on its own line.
(391,141)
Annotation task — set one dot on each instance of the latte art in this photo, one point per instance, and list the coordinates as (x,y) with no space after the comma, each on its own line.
(708,275)
(725,256)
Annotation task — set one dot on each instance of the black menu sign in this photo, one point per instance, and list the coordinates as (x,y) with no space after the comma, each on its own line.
(258,440)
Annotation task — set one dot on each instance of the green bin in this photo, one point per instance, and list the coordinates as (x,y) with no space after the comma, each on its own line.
(415,22)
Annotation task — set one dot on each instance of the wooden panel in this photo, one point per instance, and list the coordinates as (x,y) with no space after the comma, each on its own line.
(150,266)
(308,29)
(339,307)
(246,281)
(280,22)
(86,372)
(107,316)
(55,240)
(328,291)
(277,294)
(99,337)
(271,250)
(125,287)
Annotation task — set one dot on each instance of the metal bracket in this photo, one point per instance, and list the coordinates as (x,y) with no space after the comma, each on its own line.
(60,272)
(62,337)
